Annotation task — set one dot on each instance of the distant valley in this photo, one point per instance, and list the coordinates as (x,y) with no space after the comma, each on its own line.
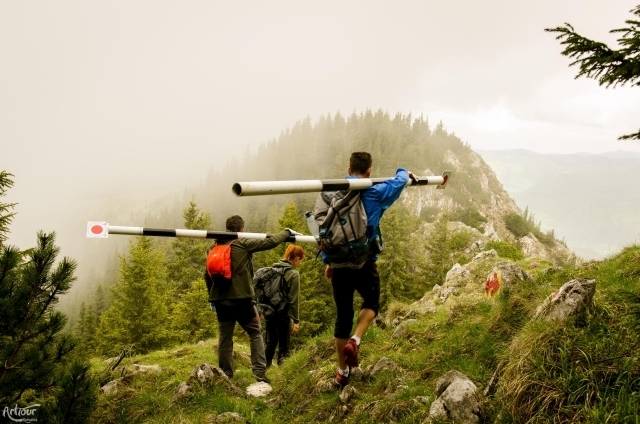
(590,200)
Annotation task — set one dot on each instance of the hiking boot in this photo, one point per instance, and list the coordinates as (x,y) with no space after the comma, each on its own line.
(341,380)
(262,378)
(350,351)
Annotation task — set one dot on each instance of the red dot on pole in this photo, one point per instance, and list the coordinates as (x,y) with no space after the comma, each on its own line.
(97,229)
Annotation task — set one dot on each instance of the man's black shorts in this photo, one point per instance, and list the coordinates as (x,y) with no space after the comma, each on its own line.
(345,282)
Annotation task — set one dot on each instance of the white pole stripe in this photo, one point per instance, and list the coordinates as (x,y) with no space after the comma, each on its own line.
(133,231)
(256,188)
(189,233)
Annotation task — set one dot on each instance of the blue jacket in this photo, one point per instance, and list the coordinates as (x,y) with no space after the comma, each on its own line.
(378,198)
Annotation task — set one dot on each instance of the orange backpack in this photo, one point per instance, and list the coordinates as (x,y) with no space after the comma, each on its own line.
(219,264)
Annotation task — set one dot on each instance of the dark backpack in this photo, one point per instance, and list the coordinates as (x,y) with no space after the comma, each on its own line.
(269,286)
(219,266)
(342,223)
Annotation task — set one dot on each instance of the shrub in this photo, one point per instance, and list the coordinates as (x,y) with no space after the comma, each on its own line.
(505,250)
(471,217)
(518,225)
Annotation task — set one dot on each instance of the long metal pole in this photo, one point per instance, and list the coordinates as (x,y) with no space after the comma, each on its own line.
(97,229)
(258,188)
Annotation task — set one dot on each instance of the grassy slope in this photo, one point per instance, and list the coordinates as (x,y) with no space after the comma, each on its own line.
(587,372)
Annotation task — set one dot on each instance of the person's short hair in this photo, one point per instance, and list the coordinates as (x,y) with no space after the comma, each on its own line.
(234,223)
(293,251)
(360,162)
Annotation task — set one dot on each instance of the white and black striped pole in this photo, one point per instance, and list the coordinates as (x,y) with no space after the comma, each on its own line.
(101,229)
(258,188)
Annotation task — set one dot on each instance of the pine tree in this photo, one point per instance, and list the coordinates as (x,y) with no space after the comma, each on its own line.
(401,264)
(35,355)
(598,61)
(99,300)
(439,253)
(138,312)
(191,317)
(6,216)
(187,256)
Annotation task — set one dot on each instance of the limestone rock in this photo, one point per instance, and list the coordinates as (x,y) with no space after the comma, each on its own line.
(324,386)
(512,273)
(146,368)
(228,417)
(571,300)
(531,247)
(183,391)
(383,364)
(400,329)
(445,293)
(111,388)
(457,399)
(356,374)
(259,389)
(207,375)
(457,272)
(347,393)
(486,254)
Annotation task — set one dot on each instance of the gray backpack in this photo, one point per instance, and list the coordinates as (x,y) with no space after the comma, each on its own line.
(342,222)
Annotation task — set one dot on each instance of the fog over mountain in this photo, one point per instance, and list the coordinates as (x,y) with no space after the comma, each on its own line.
(592,200)
(104,101)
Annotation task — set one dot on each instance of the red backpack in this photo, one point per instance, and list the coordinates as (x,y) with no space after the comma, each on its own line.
(219,264)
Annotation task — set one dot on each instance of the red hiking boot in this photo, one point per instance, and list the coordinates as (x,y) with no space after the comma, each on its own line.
(341,380)
(350,351)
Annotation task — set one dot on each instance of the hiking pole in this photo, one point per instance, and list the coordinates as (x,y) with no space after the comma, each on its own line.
(257,188)
(100,229)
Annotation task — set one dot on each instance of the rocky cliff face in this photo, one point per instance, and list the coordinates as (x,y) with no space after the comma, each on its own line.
(497,206)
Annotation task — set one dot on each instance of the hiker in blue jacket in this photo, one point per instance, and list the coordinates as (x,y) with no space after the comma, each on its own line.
(365,280)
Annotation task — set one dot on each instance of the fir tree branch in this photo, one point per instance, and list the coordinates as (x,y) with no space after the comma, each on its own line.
(598,61)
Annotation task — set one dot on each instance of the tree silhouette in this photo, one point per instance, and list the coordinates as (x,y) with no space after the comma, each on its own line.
(598,61)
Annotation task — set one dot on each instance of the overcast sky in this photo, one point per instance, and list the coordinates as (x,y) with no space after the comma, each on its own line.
(99,98)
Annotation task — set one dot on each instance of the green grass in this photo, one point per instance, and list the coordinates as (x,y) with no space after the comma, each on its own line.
(586,371)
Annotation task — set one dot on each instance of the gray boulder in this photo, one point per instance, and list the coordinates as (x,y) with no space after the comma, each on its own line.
(573,299)
(383,364)
(400,329)
(457,399)
(259,389)
(183,391)
(347,393)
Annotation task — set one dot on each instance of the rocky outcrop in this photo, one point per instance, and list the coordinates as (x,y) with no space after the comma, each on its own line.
(457,399)
(573,299)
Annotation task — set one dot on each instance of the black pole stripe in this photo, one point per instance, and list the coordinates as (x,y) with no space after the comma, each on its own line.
(158,232)
(217,235)
(335,186)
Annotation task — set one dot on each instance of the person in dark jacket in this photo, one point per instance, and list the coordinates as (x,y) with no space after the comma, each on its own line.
(279,326)
(235,303)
